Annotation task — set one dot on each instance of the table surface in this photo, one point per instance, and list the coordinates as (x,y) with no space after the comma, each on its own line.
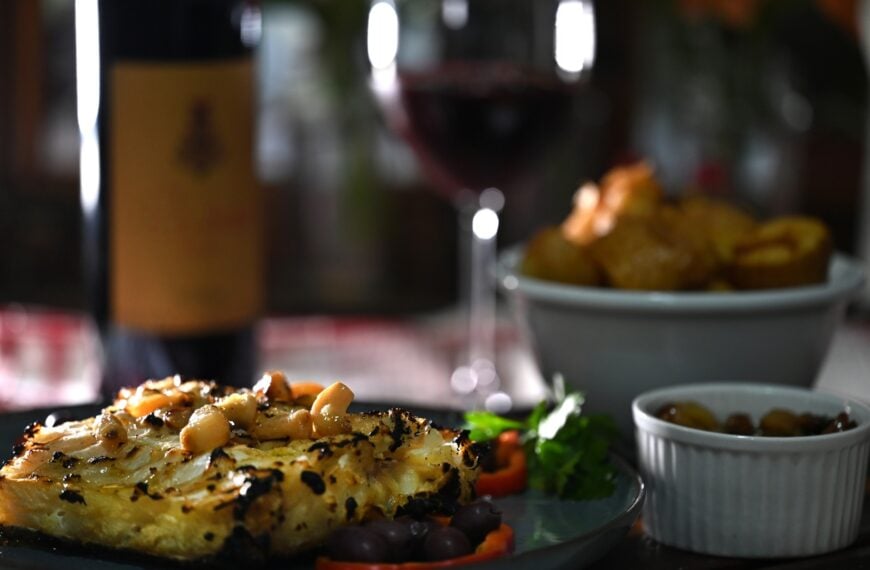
(640,551)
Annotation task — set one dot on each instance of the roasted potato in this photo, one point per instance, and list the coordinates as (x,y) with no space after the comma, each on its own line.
(638,254)
(721,224)
(629,191)
(686,230)
(550,256)
(784,252)
(625,234)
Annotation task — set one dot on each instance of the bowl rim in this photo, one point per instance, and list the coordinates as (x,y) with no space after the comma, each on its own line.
(645,421)
(847,277)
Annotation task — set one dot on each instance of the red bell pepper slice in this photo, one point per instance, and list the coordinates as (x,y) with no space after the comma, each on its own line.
(497,543)
(511,477)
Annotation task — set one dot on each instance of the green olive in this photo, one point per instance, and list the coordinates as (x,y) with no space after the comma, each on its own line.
(779,422)
(689,414)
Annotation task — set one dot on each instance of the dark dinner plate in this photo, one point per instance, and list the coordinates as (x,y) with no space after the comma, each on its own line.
(550,533)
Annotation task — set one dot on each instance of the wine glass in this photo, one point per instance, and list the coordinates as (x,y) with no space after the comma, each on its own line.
(480,89)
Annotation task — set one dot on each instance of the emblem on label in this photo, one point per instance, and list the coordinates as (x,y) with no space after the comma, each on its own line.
(200,150)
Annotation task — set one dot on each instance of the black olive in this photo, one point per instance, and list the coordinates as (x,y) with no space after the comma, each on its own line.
(419,527)
(358,544)
(739,424)
(398,535)
(812,424)
(841,423)
(487,456)
(476,520)
(445,542)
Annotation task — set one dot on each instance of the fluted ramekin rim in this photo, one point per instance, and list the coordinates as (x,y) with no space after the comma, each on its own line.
(645,420)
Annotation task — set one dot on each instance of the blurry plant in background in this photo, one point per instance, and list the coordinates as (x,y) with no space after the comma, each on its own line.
(760,100)
(354,233)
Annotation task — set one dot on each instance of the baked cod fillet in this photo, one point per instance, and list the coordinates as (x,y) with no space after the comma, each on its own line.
(192,470)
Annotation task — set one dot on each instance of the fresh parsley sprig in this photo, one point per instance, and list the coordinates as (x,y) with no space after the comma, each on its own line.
(567,452)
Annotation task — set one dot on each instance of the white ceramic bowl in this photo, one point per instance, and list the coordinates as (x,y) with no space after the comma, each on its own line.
(743,496)
(614,344)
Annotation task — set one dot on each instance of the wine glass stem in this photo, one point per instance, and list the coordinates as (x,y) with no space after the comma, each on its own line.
(480,225)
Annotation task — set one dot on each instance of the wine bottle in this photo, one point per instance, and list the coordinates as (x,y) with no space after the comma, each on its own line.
(173,240)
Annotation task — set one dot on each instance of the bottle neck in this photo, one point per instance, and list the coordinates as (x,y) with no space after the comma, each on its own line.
(184,30)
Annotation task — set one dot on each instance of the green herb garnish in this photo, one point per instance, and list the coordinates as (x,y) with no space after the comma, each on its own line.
(567,452)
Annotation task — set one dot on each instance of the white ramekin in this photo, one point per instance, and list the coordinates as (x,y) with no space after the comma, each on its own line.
(745,496)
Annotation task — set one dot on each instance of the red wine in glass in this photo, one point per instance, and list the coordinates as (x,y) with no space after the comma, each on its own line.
(481,125)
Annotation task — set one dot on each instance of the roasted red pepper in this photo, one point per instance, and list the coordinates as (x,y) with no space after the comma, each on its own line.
(511,474)
(497,543)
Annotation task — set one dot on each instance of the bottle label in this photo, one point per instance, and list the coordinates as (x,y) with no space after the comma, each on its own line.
(185,208)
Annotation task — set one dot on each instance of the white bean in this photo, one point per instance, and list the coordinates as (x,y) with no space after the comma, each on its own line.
(208,429)
(109,430)
(274,386)
(240,408)
(279,424)
(329,410)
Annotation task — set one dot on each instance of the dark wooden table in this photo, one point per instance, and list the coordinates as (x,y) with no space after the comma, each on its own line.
(639,551)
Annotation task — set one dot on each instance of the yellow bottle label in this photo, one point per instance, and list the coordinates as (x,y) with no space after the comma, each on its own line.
(185,208)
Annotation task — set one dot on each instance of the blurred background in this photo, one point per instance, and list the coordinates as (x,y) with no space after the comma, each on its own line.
(763,101)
